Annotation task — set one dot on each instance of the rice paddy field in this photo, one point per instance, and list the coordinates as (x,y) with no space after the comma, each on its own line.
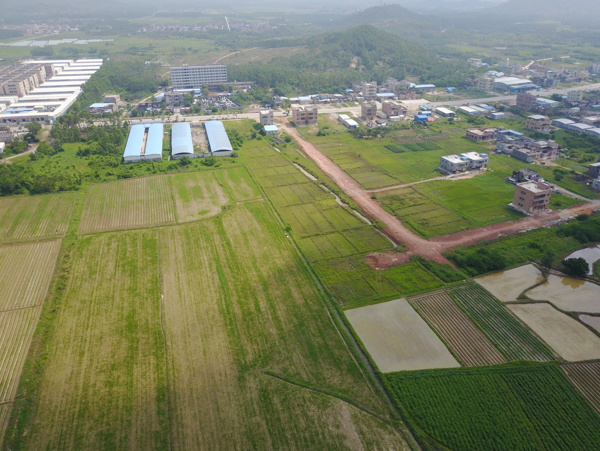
(214,309)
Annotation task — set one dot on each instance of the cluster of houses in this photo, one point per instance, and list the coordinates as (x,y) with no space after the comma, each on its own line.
(515,144)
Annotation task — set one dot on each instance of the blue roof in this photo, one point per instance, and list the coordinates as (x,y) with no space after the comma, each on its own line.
(181,139)
(134,142)
(100,105)
(217,136)
(154,142)
(271,128)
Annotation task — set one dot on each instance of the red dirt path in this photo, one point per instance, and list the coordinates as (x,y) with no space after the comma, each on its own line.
(430,249)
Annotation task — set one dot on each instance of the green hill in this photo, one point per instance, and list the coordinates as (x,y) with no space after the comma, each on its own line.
(334,61)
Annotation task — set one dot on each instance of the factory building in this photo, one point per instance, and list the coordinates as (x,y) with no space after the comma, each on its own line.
(181,141)
(49,99)
(195,77)
(144,143)
(218,141)
(347,121)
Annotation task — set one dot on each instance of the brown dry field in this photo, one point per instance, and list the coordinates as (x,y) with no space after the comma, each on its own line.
(44,216)
(567,337)
(466,340)
(586,377)
(104,383)
(16,332)
(235,307)
(197,195)
(25,273)
(130,203)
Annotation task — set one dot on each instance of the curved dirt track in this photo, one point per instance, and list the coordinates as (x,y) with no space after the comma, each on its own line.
(430,249)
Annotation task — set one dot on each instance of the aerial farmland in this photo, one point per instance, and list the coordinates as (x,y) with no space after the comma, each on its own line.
(257,304)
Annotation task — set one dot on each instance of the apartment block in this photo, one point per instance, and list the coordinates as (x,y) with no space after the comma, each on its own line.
(305,115)
(531,197)
(526,101)
(538,123)
(266,117)
(485,84)
(575,96)
(369,90)
(392,108)
(368,111)
(195,77)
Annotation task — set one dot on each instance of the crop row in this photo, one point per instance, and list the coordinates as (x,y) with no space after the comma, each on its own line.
(586,377)
(516,407)
(26,217)
(510,336)
(468,342)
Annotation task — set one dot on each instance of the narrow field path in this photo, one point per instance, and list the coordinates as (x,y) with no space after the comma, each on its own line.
(469,175)
(393,226)
(430,249)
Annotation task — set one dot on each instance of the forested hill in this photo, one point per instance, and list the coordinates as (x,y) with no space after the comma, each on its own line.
(367,48)
(336,60)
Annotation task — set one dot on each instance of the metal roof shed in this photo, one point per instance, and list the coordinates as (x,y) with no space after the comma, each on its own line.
(181,139)
(218,140)
(154,143)
(133,148)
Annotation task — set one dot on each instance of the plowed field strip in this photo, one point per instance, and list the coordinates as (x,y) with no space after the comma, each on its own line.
(238,302)
(25,273)
(16,331)
(104,384)
(504,330)
(26,217)
(586,377)
(468,342)
(129,203)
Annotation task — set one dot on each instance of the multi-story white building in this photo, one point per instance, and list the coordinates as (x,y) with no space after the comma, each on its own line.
(195,77)
(575,96)
(469,161)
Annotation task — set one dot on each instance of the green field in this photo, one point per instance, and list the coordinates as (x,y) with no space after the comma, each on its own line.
(405,156)
(354,283)
(189,321)
(28,217)
(511,337)
(512,407)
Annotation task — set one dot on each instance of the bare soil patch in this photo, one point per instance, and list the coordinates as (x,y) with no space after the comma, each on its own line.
(398,339)
(388,259)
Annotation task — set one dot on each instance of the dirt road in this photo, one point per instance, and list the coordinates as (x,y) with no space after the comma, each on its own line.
(430,249)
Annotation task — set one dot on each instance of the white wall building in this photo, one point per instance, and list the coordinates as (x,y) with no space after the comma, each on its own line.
(195,77)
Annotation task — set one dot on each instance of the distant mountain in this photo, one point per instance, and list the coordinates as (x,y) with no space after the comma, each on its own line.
(442,6)
(392,18)
(583,12)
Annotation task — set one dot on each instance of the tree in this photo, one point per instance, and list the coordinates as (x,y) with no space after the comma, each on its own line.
(34,128)
(576,266)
